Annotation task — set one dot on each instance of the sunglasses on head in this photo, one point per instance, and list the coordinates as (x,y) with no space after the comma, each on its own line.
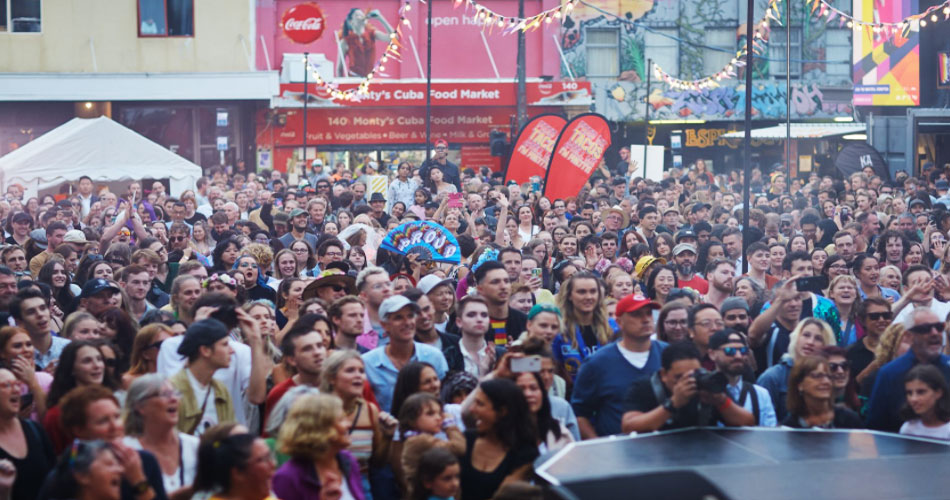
(927,328)
(880,315)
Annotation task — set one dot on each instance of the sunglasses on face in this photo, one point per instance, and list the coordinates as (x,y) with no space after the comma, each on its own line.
(840,367)
(336,288)
(878,316)
(927,328)
(737,317)
(732,351)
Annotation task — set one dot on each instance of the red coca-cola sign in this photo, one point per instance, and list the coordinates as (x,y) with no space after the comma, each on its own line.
(303,23)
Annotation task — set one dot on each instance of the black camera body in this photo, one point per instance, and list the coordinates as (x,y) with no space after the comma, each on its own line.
(713,382)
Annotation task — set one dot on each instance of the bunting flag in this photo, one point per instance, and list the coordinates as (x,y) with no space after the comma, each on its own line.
(579,151)
(532,152)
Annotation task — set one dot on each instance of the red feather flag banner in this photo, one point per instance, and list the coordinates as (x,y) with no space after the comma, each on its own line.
(579,150)
(532,152)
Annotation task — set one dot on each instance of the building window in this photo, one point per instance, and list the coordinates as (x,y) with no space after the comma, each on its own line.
(661,46)
(777,54)
(603,52)
(838,53)
(20,16)
(166,18)
(725,41)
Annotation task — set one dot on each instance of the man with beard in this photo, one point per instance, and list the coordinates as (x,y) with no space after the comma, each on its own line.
(735,314)
(721,274)
(684,256)
(887,398)
(346,314)
(300,222)
(730,352)
(7,290)
(494,285)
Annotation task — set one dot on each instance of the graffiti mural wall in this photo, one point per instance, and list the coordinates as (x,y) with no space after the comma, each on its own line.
(677,34)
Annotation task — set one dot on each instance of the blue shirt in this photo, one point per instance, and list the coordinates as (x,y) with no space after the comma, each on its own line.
(888,396)
(603,382)
(887,293)
(775,381)
(382,373)
(55,350)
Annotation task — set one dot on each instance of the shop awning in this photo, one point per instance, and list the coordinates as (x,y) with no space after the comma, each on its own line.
(250,85)
(801,131)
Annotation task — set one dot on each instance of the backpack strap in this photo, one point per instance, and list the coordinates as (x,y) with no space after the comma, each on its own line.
(748,389)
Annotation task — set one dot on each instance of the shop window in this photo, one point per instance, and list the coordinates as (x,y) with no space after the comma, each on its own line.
(777,54)
(603,52)
(20,16)
(725,47)
(662,47)
(838,53)
(166,18)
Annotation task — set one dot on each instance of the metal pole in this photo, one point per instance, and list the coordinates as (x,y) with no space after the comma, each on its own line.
(788,97)
(522,107)
(747,142)
(306,75)
(646,120)
(429,80)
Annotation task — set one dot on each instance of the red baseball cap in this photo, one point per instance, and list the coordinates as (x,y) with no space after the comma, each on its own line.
(441,142)
(633,302)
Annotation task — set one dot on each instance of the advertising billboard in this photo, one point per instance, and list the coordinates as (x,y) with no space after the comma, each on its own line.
(886,69)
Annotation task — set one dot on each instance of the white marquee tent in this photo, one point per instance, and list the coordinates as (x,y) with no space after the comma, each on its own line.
(98,147)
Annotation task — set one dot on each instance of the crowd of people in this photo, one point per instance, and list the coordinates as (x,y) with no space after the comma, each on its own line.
(251,339)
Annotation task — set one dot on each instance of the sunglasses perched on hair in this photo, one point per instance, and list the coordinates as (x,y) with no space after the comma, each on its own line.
(880,315)
(732,351)
(927,328)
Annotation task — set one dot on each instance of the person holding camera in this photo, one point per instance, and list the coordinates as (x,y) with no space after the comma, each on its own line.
(680,395)
(729,349)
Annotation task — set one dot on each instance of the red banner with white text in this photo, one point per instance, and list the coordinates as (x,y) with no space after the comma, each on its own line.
(532,152)
(579,150)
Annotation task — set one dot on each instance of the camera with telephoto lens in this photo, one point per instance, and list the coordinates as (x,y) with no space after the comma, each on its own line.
(714,382)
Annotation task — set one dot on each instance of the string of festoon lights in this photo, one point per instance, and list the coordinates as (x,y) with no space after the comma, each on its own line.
(392,52)
(484,16)
(760,35)
(509,24)
(926,18)
(822,10)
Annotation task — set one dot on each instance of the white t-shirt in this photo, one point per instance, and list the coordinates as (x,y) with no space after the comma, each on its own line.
(637,359)
(236,377)
(204,395)
(917,428)
(188,461)
(941,309)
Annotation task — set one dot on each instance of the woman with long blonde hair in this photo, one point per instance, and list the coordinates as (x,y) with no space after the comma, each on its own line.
(807,339)
(585,324)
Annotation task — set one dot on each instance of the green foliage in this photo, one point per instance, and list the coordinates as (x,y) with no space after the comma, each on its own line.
(631,56)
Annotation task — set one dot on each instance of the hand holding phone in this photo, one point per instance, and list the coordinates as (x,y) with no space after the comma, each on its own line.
(455,200)
(527,364)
